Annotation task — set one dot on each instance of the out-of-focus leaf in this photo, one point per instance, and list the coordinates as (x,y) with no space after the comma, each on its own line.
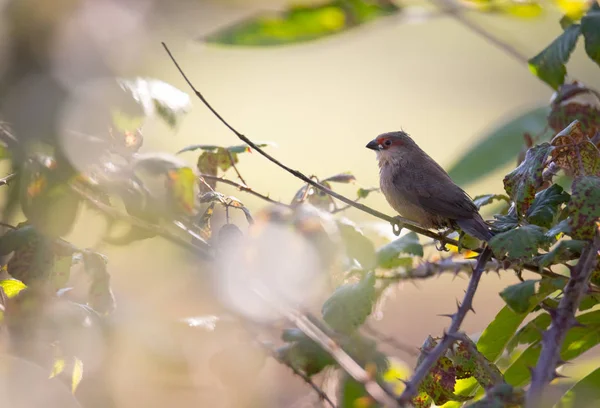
(14,239)
(158,97)
(522,183)
(486,199)
(303,353)
(350,305)
(364,192)
(61,271)
(77,374)
(358,246)
(396,374)
(48,202)
(573,9)
(501,396)
(498,146)
(575,152)
(549,65)
(518,296)
(100,296)
(590,28)
(181,184)
(12,287)
(521,243)
(301,23)
(545,206)
(233,149)
(58,367)
(157,163)
(388,255)
(585,392)
(33,262)
(203,223)
(564,251)
(584,207)
(341,178)
(525,9)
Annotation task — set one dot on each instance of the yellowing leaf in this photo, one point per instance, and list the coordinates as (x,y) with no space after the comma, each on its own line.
(397,371)
(181,183)
(12,287)
(574,9)
(77,374)
(58,367)
(523,9)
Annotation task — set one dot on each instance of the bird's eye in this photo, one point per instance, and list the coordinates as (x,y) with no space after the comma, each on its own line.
(387,143)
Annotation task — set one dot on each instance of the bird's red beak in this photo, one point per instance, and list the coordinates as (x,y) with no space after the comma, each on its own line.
(374,145)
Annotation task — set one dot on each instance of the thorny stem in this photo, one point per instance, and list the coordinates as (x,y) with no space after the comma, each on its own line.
(563,318)
(451,335)
(429,269)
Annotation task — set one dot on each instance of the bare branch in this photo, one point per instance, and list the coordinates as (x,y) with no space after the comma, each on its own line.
(5,180)
(563,318)
(232,161)
(451,336)
(243,188)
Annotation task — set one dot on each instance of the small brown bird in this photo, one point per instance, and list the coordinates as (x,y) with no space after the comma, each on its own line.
(420,189)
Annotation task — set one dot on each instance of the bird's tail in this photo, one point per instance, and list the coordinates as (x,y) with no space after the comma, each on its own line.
(476,227)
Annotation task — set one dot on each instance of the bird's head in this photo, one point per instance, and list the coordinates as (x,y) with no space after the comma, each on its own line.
(392,145)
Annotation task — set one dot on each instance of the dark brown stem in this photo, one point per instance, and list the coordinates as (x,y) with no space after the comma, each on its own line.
(451,335)
(563,318)
(243,188)
(235,168)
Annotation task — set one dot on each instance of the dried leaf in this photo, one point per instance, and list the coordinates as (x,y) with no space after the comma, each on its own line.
(522,183)
(575,152)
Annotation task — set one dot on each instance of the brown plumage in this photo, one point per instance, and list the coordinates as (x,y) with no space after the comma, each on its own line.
(420,189)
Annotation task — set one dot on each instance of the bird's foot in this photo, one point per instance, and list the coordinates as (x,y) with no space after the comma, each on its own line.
(442,244)
(397,225)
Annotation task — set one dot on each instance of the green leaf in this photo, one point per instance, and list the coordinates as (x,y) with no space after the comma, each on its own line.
(388,255)
(590,28)
(486,199)
(530,333)
(301,23)
(358,246)
(545,206)
(585,392)
(496,336)
(47,200)
(584,207)
(506,222)
(351,391)
(577,341)
(303,353)
(100,296)
(498,146)
(350,305)
(158,98)
(549,65)
(469,362)
(564,251)
(364,192)
(518,296)
(522,183)
(560,228)
(521,243)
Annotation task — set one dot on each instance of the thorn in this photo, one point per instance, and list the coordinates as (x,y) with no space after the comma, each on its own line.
(451,316)
(458,305)
(557,375)
(472,310)
(561,362)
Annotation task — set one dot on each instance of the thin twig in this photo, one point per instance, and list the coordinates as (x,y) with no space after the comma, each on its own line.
(203,249)
(563,318)
(5,180)
(232,161)
(410,350)
(451,336)
(243,188)
(397,222)
(430,269)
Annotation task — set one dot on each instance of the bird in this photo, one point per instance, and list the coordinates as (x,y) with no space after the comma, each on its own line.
(419,189)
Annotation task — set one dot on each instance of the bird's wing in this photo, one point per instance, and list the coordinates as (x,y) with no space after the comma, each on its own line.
(434,191)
